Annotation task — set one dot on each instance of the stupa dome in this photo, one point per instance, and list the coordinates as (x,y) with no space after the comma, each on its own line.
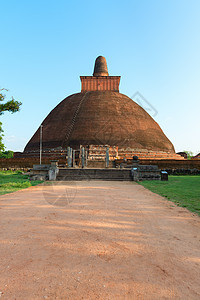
(100,115)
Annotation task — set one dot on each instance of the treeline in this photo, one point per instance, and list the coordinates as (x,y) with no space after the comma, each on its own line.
(6,154)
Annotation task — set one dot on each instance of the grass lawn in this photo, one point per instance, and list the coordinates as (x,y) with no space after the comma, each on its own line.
(183,190)
(14,181)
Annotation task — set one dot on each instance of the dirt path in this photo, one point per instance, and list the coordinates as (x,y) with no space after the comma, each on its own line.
(97,240)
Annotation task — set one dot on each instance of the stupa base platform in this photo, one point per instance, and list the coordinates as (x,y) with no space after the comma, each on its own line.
(98,153)
(94,174)
(143,173)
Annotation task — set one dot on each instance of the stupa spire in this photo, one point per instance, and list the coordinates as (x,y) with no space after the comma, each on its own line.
(100,81)
(100,67)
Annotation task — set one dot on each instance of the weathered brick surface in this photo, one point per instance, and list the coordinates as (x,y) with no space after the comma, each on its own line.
(104,118)
(100,83)
(100,115)
(162,163)
(196,156)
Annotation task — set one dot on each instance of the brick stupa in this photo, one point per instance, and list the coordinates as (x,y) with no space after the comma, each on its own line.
(98,117)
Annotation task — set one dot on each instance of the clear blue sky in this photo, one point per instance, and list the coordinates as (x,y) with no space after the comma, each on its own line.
(154,46)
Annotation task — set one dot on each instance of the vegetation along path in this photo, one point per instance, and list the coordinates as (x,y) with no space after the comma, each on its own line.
(12,181)
(183,190)
(97,240)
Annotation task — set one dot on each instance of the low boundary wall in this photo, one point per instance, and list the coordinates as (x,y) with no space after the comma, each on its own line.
(173,164)
(27,163)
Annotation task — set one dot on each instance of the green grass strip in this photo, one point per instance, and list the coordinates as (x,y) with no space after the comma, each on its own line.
(14,181)
(182,190)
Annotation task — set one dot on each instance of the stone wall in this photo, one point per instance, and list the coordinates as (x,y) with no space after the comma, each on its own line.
(98,152)
(148,154)
(47,154)
(173,164)
(24,163)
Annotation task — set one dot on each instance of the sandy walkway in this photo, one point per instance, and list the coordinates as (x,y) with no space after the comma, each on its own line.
(97,240)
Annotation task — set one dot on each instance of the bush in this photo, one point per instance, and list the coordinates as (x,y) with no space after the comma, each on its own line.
(6,154)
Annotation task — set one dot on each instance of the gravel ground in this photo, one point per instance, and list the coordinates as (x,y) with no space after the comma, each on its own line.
(97,240)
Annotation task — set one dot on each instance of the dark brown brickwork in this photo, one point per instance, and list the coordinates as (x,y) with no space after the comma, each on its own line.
(100,67)
(100,83)
(101,116)
(196,156)
(98,153)
(162,164)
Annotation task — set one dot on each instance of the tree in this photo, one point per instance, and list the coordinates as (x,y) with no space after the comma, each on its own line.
(2,148)
(11,106)
(6,154)
(189,154)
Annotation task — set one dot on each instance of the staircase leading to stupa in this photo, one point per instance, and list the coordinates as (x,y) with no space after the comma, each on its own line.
(145,172)
(71,174)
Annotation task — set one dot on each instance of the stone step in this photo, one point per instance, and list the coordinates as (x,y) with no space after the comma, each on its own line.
(94,174)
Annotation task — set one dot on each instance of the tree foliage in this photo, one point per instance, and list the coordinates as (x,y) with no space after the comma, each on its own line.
(2,147)
(6,154)
(189,154)
(11,106)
